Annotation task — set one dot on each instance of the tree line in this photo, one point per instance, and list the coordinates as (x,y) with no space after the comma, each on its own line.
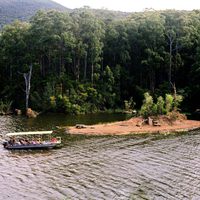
(83,63)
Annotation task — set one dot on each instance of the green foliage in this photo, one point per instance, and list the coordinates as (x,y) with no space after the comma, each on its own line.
(177,101)
(83,63)
(129,104)
(147,108)
(63,104)
(169,101)
(160,105)
(5,107)
(46,101)
(10,13)
(52,102)
(154,110)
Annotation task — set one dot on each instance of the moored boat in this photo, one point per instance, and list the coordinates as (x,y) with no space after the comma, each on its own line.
(31,140)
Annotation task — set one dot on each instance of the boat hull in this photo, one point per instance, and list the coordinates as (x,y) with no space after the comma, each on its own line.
(30,147)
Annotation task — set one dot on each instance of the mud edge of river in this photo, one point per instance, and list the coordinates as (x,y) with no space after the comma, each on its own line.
(131,127)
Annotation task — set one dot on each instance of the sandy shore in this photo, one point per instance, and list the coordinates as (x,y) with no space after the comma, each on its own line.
(130,127)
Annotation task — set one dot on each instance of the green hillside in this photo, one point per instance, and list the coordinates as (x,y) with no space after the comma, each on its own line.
(11,10)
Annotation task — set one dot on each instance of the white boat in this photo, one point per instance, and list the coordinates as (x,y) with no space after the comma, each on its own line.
(31,140)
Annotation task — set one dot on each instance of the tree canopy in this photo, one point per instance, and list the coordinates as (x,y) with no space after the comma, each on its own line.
(83,62)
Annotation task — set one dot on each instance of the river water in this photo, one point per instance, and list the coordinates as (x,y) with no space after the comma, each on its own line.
(120,168)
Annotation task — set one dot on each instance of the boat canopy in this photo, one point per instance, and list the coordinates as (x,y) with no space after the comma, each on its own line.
(29,133)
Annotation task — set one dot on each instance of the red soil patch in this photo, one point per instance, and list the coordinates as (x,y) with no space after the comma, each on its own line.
(130,127)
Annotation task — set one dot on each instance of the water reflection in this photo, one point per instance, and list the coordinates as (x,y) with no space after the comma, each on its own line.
(50,121)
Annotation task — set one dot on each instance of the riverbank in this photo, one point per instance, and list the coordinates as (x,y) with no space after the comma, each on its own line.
(131,127)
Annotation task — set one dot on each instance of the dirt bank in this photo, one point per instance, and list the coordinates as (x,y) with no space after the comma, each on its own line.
(131,127)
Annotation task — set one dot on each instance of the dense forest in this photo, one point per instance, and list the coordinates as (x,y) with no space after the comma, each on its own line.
(83,63)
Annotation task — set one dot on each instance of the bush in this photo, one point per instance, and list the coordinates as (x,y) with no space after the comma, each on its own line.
(177,101)
(63,104)
(5,107)
(154,110)
(169,100)
(147,107)
(75,109)
(169,106)
(160,106)
(129,105)
(53,102)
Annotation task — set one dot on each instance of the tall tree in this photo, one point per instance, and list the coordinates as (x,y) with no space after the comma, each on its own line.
(151,39)
(52,40)
(89,40)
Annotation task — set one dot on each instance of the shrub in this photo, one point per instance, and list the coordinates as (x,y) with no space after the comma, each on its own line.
(5,107)
(147,107)
(160,106)
(177,101)
(63,104)
(52,102)
(129,105)
(154,110)
(169,100)
(75,109)
(169,106)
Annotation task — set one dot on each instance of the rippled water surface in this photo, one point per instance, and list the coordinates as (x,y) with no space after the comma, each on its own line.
(128,167)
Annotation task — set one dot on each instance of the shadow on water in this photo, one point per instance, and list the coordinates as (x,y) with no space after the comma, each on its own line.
(50,121)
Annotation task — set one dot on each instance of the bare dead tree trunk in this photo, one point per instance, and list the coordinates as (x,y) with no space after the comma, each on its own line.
(172,41)
(27,78)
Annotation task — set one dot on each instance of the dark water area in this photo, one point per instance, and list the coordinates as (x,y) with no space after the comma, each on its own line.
(114,167)
(50,121)
(194,116)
